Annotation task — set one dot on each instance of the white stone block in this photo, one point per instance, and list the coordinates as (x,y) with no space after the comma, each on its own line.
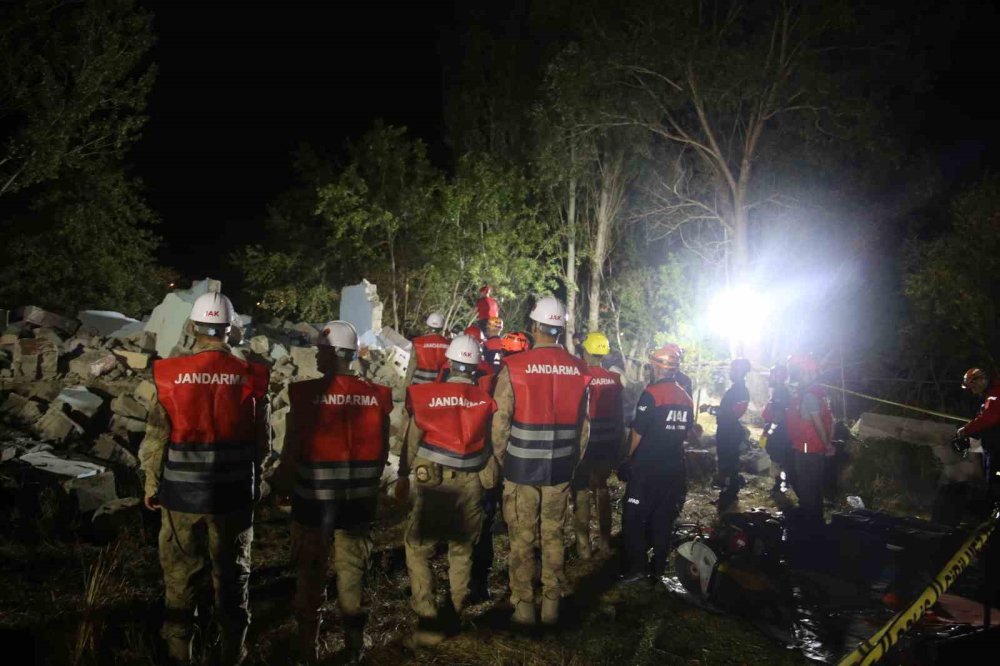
(360,305)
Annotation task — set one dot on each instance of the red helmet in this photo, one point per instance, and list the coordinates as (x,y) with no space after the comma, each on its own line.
(514,342)
(485,290)
(803,362)
(667,357)
(972,375)
(475,333)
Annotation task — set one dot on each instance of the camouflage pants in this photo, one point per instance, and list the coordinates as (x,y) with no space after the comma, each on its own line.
(311,548)
(523,508)
(189,543)
(590,481)
(451,512)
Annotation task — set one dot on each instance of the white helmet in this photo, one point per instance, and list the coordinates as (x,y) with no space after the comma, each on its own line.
(549,311)
(435,320)
(339,334)
(464,349)
(213,308)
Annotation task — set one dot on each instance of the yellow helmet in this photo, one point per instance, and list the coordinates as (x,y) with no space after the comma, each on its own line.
(596,343)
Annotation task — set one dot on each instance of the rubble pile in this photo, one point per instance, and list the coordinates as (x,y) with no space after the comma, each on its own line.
(75,393)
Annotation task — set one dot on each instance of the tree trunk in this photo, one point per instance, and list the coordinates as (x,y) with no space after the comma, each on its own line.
(610,198)
(571,287)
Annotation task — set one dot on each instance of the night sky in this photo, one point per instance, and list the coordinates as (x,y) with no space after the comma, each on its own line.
(240,85)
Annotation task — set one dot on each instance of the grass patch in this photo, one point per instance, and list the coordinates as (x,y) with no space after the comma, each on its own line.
(892,475)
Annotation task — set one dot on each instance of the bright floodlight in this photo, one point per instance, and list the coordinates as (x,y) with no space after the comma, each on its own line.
(738,314)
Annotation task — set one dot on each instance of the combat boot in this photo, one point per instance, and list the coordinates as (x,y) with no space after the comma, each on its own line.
(307,641)
(428,633)
(550,611)
(354,637)
(524,614)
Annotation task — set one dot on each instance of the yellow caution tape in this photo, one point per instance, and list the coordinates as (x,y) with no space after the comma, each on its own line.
(876,647)
(897,404)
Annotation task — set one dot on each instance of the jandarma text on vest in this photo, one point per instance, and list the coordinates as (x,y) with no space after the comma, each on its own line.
(602,381)
(208,378)
(454,401)
(345,399)
(546,369)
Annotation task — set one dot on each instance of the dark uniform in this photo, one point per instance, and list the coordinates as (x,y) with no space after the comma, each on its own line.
(779,446)
(657,483)
(728,436)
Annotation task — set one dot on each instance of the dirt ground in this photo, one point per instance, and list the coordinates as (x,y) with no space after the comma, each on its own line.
(46,608)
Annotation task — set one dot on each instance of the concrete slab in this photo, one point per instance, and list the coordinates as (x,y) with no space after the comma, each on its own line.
(105,322)
(57,426)
(360,305)
(915,431)
(93,363)
(107,448)
(48,462)
(91,492)
(80,400)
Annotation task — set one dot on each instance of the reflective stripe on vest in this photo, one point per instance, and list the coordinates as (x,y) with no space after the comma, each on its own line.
(424,376)
(429,351)
(338,481)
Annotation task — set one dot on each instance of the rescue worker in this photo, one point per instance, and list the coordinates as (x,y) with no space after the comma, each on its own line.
(729,433)
(493,344)
(427,354)
(654,467)
(809,420)
(986,425)
(486,307)
(336,446)
(540,432)
(681,379)
(206,439)
(446,445)
(604,449)
(778,445)
(515,342)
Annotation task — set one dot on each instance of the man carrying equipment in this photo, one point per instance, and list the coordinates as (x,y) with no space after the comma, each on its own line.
(335,450)
(206,439)
(446,445)
(540,432)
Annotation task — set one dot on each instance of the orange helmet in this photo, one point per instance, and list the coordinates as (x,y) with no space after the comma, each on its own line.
(667,357)
(495,322)
(514,342)
(971,375)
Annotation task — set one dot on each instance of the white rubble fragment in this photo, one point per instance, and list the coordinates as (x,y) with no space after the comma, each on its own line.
(360,305)
(259,344)
(134,360)
(169,317)
(278,352)
(81,400)
(145,393)
(304,359)
(105,322)
(74,469)
(389,335)
(93,363)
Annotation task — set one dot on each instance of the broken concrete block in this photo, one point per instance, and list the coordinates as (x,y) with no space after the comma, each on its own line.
(304,359)
(279,352)
(51,335)
(259,344)
(20,409)
(308,332)
(168,319)
(35,359)
(90,492)
(45,391)
(126,405)
(134,360)
(123,426)
(915,431)
(279,421)
(39,317)
(755,461)
(93,363)
(57,426)
(104,322)
(108,449)
(118,514)
(360,305)
(145,393)
(80,400)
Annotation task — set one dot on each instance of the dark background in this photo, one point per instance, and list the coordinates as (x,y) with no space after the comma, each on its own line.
(241,84)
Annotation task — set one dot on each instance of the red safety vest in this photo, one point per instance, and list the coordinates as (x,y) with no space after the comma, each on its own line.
(455,420)
(549,385)
(801,430)
(430,351)
(606,414)
(211,463)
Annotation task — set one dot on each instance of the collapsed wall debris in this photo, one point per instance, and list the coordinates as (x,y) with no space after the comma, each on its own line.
(77,392)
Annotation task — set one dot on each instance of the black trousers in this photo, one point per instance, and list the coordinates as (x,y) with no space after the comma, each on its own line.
(652,504)
(728,451)
(808,484)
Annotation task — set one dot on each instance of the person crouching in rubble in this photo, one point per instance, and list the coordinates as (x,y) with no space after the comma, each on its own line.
(654,468)
(205,442)
(446,444)
(336,446)
(809,420)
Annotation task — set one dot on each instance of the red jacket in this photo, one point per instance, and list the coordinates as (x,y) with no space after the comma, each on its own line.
(211,464)
(801,430)
(549,385)
(430,351)
(340,423)
(606,412)
(487,307)
(455,420)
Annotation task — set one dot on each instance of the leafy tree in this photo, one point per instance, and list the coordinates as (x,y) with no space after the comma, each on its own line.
(73,86)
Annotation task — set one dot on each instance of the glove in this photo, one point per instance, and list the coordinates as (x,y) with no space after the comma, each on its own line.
(960,443)
(623,470)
